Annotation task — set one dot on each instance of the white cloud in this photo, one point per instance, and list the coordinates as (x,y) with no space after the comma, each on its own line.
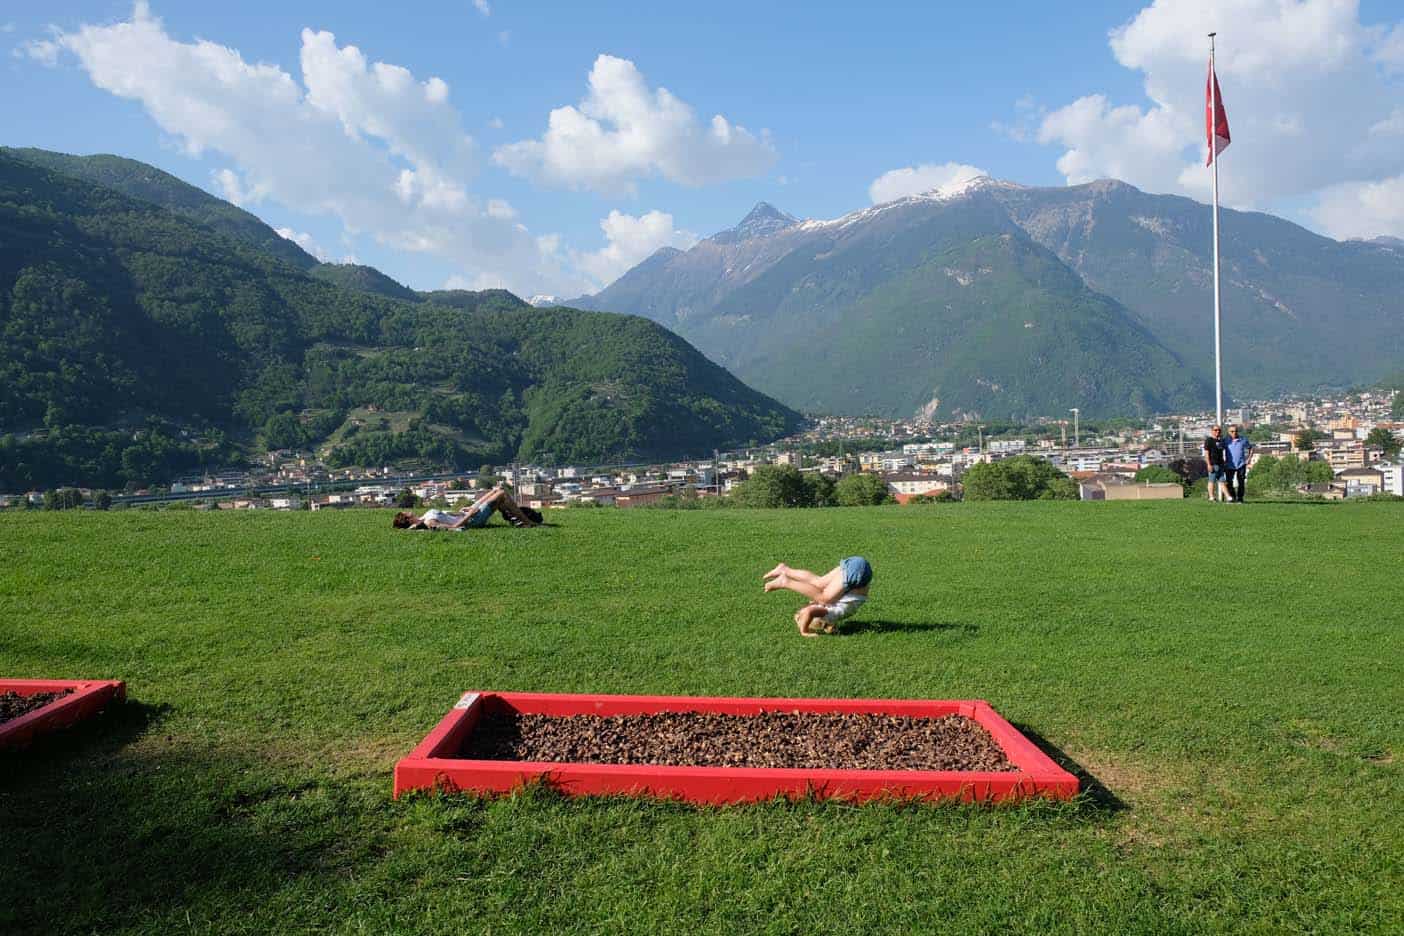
(366,142)
(1393,125)
(1304,83)
(384,101)
(1028,114)
(1389,51)
(914,180)
(1362,209)
(43,51)
(623,131)
(483,7)
(232,187)
(305,241)
(631,239)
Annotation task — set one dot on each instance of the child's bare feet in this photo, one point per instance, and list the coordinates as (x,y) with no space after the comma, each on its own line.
(780,569)
(775,583)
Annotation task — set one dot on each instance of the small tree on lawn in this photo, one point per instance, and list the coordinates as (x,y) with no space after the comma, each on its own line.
(861,490)
(821,489)
(1022,477)
(1157,474)
(775,486)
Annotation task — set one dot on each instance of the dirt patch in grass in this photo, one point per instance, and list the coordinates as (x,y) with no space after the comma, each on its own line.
(771,739)
(13,705)
(1128,781)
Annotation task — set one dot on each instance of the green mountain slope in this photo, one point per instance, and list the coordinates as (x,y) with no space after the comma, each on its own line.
(989,326)
(363,278)
(1299,309)
(123,323)
(149,184)
(487,300)
(941,306)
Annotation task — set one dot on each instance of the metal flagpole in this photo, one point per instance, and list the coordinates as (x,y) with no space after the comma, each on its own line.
(1214,158)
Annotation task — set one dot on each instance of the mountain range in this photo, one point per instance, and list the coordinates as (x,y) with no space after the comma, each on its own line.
(138,312)
(996,300)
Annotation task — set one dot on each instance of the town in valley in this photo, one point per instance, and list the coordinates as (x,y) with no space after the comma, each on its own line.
(916,460)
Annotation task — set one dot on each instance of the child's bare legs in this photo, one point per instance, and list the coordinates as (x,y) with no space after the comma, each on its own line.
(803,575)
(821,589)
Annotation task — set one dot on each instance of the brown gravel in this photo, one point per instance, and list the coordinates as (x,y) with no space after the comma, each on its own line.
(13,705)
(770,739)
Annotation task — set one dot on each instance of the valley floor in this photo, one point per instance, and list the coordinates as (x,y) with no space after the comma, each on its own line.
(1229,680)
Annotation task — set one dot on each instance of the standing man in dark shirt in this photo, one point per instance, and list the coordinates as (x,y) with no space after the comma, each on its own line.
(1237,450)
(1214,461)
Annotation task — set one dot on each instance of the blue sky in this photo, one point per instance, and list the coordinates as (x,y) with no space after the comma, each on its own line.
(833,98)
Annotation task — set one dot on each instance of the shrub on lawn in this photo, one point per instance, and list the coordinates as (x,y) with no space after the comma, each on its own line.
(1020,478)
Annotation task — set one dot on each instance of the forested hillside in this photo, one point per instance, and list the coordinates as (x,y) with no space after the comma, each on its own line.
(149,184)
(130,331)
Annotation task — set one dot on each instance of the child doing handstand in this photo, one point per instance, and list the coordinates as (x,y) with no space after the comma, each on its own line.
(833,596)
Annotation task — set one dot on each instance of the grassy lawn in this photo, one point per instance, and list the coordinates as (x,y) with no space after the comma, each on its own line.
(1229,678)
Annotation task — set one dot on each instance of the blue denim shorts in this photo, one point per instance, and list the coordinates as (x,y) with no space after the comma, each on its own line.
(481,516)
(856,572)
(1216,474)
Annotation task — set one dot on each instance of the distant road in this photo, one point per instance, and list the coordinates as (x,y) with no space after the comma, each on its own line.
(316,487)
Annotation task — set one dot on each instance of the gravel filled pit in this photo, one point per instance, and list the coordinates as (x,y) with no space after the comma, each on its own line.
(813,740)
(13,705)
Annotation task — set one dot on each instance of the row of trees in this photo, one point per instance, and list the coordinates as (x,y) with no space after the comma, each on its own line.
(1021,478)
(101,457)
(787,486)
(1284,475)
(70,499)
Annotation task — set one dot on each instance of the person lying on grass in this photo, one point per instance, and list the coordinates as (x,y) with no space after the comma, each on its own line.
(474,515)
(833,596)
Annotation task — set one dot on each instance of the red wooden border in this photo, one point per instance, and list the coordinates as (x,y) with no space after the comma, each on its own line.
(432,765)
(89,697)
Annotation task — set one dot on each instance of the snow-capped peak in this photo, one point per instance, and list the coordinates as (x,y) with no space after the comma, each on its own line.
(950,192)
(763,220)
(542,302)
(968,186)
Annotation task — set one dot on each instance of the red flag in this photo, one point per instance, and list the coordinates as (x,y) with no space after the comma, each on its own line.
(1216,131)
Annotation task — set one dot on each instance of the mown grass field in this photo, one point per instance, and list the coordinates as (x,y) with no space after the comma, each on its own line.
(1229,678)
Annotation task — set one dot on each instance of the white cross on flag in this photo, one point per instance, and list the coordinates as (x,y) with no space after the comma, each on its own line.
(1216,131)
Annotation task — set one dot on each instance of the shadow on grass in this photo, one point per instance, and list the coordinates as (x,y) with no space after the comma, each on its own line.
(102,833)
(1289,502)
(1094,798)
(490,528)
(113,728)
(881,626)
